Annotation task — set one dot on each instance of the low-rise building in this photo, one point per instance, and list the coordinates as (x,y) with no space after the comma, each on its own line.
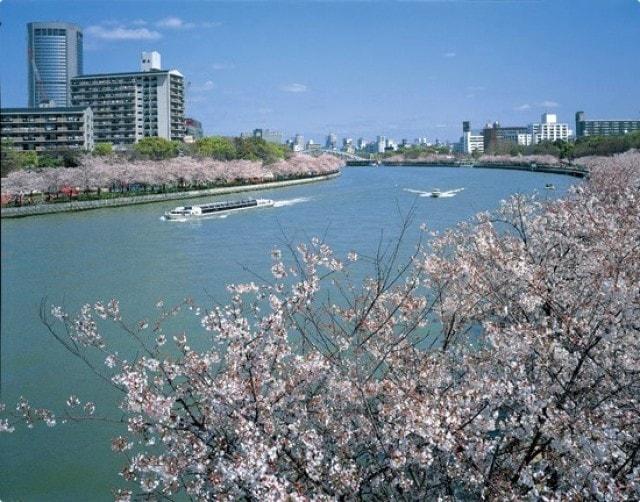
(604,127)
(192,129)
(48,129)
(495,135)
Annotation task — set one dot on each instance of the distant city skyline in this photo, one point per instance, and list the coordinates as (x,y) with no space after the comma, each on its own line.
(359,69)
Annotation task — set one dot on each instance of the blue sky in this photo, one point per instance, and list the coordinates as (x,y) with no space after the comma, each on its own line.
(359,68)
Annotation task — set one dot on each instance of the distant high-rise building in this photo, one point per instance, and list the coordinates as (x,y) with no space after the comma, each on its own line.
(604,127)
(269,135)
(298,143)
(332,141)
(381,144)
(470,141)
(362,143)
(130,106)
(549,129)
(54,57)
(311,145)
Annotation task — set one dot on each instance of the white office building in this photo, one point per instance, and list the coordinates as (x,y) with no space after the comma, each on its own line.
(472,142)
(130,106)
(549,129)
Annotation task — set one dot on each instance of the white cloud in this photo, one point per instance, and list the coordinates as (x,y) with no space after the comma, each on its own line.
(222,66)
(177,23)
(549,104)
(207,86)
(174,23)
(294,87)
(122,33)
(524,107)
(449,54)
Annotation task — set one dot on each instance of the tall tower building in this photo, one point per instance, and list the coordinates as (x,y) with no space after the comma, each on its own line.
(54,57)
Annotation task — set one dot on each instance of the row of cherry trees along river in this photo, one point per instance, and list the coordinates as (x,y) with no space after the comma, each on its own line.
(500,361)
(105,172)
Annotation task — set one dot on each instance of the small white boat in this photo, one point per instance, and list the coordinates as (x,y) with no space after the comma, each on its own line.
(436,193)
(215,208)
(550,186)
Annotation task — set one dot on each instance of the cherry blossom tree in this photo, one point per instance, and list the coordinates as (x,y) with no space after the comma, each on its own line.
(500,360)
(101,172)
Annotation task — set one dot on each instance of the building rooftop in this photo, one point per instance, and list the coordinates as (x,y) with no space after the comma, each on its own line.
(53,109)
(125,74)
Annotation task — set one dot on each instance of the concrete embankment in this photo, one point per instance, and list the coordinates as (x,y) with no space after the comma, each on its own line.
(559,169)
(567,170)
(61,207)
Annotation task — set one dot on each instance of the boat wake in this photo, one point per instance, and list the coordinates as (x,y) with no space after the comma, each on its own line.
(436,194)
(290,202)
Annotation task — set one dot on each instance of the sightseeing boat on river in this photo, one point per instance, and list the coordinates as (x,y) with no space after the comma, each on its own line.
(215,208)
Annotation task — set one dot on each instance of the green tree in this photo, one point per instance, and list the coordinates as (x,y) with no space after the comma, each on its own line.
(103,149)
(258,149)
(12,159)
(217,147)
(70,158)
(156,148)
(28,159)
(49,160)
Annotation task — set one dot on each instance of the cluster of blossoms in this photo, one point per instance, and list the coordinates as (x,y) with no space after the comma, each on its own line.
(100,172)
(502,361)
(525,160)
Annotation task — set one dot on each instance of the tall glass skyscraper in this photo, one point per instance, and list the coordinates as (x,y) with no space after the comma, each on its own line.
(54,56)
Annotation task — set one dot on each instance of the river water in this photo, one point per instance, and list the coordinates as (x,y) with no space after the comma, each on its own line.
(131,254)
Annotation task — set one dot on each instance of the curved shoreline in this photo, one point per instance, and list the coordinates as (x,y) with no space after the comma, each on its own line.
(64,207)
(559,169)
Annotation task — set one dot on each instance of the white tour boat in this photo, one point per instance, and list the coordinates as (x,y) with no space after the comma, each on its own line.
(215,208)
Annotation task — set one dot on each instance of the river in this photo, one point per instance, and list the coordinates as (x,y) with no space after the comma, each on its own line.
(131,254)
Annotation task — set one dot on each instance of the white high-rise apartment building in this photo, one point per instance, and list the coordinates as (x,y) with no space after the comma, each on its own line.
(549,129)
(130,106)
